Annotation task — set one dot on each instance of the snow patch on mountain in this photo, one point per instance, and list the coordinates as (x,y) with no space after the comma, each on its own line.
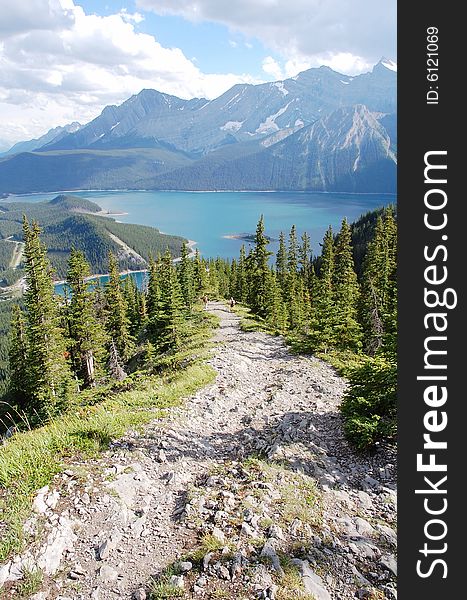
(280,86)
(270,123)
(389,64)
(232,126)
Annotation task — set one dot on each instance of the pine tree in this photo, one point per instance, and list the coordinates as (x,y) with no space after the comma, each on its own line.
(390,305)
(153,291)
(378,301)
(260,274)
(346,293)
(200,276)
(130,294)
(114,364)
(277,312)
(213,279)
(281,263)
(167,320)
(117,323)
(223,277)
(18,355)
(149,357)
(142,309)
(294,291)
(241,283)
(86,334)
(186,278)
(324,297)
(49,382)
(305,261)
(233,280)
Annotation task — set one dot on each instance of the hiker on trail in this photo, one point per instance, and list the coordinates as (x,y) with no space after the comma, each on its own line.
(232,303)
(205,300)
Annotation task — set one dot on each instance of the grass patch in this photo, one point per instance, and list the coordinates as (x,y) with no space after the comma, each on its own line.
(30,459)
(251,322)
(291,584)
(300,497)
(164,589)
(344,361)
(30,583)
(220,593)
(208,543)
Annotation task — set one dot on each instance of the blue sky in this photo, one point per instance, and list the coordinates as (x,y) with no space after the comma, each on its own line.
(65,60)
(212,46)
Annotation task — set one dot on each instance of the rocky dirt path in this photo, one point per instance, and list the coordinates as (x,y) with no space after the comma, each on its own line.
(250,485)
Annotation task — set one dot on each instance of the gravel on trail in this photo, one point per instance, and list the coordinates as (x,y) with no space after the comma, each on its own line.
(255,463)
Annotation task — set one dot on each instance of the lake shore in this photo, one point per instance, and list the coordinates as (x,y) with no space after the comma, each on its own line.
(107,213)
(191,246)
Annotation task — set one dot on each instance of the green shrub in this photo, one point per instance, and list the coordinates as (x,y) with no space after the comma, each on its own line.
(369,406)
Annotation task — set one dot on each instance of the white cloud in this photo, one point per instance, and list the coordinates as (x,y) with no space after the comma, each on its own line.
(131,18)
(272,67)
(66,65)
(303,30)
(25,15)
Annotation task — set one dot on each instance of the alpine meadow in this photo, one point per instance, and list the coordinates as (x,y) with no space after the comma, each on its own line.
(198,301)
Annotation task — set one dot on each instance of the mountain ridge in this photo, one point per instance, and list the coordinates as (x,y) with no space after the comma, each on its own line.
(155,140)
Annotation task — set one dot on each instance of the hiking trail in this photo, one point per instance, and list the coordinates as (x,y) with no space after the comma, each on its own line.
(253,471)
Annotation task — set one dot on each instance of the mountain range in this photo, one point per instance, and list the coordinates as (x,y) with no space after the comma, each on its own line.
(319,130)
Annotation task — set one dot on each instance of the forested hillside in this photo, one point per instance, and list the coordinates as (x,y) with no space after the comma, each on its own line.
(73,222)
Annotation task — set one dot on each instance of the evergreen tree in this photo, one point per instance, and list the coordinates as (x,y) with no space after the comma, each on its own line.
(167,321)
(260,274)
(378,302)
(223,277)
(18,355)
(292,252)
(305,261)
(153,291)
(131,294)
(294,289)
(277,312)
(200,276)
(117,323)
(186,278)
(241,283)
(114,365)
(324,298)
(250,267)
(281,263)
(149,357)
(49,382)
(142,309)
(346,293)
(233,280)
(86,334)
(213,279)
(390,305)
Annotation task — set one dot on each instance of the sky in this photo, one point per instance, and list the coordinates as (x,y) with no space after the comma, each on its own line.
(65,60)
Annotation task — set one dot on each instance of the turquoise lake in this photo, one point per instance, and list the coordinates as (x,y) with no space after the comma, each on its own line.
(207,217)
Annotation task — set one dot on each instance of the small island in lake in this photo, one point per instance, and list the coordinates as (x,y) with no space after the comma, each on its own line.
(246,237)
